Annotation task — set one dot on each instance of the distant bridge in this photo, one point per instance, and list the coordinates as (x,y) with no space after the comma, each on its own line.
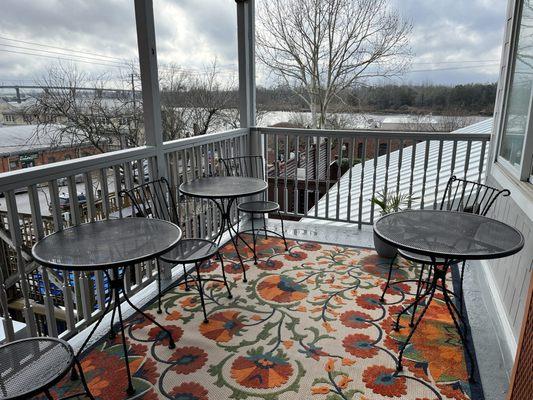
(99,91)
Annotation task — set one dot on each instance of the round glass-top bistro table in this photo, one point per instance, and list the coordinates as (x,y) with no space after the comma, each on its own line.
(223,191)
(109,246)
(451,236)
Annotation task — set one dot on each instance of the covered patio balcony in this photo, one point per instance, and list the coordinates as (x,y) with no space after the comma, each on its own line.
(309,322)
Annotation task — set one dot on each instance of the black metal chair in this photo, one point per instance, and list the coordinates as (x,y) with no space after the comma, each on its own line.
(253,166)
(29,367)
(155,200)
(460,195)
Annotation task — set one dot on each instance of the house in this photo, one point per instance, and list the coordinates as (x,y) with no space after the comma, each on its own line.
(22,147)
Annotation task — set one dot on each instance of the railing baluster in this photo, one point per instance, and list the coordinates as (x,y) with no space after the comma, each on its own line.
(296,162)
(105,192)
(467,159)
(426,160)
(481,160)
(350,175)
(413,161)
(317,173)
(400,160)
(339,174)
(58,225)
(361,185)
(328,173)
(117,187)
(16,238)
(285,179)
(276,170)
(387,164)
(81,286)
(437,177)
(37,223)
(374,177)
(89,194)
(306,167)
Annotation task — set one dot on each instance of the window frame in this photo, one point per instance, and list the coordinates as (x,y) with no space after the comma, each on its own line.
(523,172)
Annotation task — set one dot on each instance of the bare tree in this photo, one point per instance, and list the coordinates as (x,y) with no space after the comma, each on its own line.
(67,113)
(195,103)
(173,82)
(211,101)
(320,48)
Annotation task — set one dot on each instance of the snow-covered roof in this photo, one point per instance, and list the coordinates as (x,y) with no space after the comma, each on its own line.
(409,119)
(434,178)
(19,139)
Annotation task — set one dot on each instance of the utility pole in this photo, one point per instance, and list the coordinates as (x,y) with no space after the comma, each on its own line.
(133,89)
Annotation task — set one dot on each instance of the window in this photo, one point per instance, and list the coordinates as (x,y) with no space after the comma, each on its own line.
(382,149)
(514,146)
(9,118)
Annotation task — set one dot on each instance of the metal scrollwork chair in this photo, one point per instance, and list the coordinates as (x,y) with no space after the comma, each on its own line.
(460,195)
(253,166)
(155,200)
(29,367)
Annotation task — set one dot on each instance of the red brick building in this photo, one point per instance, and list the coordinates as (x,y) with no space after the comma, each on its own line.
(20,147)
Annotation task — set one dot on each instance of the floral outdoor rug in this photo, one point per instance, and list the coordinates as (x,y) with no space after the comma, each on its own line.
(308,325)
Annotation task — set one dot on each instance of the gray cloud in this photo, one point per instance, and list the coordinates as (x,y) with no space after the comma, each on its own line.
(192,33)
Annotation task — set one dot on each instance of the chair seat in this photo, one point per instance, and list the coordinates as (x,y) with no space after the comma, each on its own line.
(419,258)
(29,366)
(190,250)
(260,207)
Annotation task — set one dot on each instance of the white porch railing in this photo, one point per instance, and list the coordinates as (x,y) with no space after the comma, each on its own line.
(303,177)
(57,304)
(332,175)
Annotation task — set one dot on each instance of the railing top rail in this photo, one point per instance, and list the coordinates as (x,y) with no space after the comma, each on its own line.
(43,173)
(373,133)
(184,143)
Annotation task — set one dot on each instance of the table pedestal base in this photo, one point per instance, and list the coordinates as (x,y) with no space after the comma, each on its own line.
(438,282)
(116,283)
(225,212)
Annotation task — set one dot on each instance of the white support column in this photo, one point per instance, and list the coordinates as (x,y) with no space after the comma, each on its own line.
(246,53)
(144,17)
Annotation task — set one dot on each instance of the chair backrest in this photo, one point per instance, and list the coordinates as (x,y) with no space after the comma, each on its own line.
(247,166)
(153,199)
(470,196)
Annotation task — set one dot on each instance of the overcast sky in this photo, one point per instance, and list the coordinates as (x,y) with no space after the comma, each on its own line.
(448,35)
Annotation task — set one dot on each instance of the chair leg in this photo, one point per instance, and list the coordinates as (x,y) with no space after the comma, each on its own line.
(83,381)
(187,288)
(254,239)
(224,275)
(461,296)
(418,291)
(382,299)
(283,231)
(159,310)
(201,290)
(265,226)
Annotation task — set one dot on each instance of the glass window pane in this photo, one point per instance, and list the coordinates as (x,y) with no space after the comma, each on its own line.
(520,93)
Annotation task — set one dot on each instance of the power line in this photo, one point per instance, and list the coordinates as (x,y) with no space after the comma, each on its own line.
(59,53)
(60,48)
(63,58)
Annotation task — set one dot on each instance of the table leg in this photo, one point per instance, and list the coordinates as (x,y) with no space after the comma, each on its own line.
(116,282)
(439,274)
(225,213)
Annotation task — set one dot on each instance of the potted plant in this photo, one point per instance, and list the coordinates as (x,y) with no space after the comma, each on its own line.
(388,203)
